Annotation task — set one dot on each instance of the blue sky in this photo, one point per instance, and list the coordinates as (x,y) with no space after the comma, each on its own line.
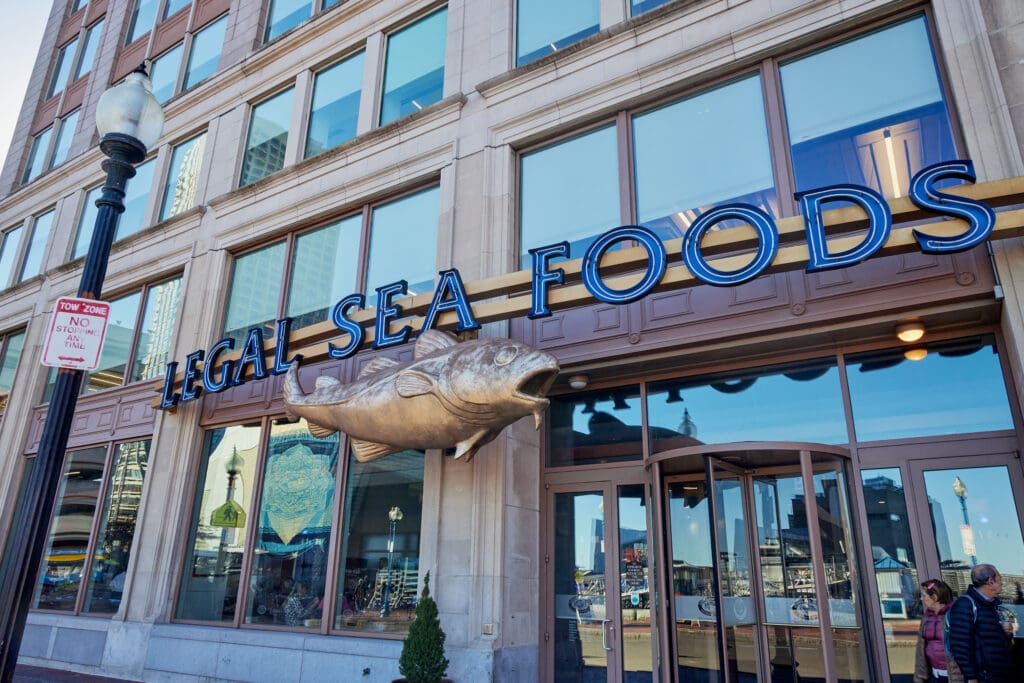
(20,35)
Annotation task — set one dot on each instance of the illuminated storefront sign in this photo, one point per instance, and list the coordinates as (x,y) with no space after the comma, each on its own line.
(450,295)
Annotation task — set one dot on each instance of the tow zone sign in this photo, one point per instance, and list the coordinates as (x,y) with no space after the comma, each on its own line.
(77,330)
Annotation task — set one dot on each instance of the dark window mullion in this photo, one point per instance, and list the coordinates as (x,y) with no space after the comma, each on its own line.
(90,547)
(253,525)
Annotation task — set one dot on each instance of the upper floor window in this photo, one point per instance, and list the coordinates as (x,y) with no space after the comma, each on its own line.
(143,18)
(316,268)
(105,481)
(131,221)
(267,141)
(414,67)
(62,67)
(205,52)
(163,73)
(78,4)
(92,41)
(848,126)
(543,27)
(21,252)
(139,332)
(860,132)
(65,135)
(174,6)
(10,352)
(335,108)
(284,15)
(182,182)
(36,156)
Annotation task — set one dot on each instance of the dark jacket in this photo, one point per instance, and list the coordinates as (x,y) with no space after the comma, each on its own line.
(979,644)
(932,628)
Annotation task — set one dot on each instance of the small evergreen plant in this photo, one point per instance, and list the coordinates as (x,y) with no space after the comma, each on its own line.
(423,659)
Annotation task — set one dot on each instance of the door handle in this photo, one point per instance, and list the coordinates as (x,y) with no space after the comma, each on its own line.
(604,634)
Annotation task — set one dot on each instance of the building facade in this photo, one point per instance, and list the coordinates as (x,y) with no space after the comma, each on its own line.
(316,148)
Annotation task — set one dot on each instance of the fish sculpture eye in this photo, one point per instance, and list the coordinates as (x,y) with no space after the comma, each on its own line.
(506,355)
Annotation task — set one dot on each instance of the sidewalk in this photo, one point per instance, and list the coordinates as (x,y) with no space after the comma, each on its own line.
(38,674)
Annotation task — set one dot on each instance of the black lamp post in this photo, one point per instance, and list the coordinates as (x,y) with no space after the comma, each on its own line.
(130,120)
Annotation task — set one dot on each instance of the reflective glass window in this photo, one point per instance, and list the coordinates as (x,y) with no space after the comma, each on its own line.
(956,387)
(64,563)
(286,15)
(325,263)
(121,326)
(895,566)
(569,191)
(92,41)
(380,546)
(544,27)
(86,222)
(135,199)
(253,299)
(143,18)
(116,533)
(33,263)
(164,74)
(640,6)
(183,177)
(156,330)
(40,144)
(220,519)
(800,402)
(288,577)
(595,427)
(268,137)
(847,125)
(414,67)
(13,344)
(335,108)
(403,243)
(78,4)
(65,135)
(62,68)
(8,253)
(174,6)
(723,135)
(205,52)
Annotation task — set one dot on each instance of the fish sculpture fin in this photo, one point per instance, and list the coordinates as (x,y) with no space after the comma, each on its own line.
(320,432)
(376,365)
(433,340)
(365,451)
(411,383)
(467,449)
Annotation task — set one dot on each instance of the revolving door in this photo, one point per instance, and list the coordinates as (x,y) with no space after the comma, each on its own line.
(761,565)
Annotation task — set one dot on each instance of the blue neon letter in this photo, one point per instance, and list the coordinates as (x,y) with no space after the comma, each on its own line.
(169,398)
(450,280)
(387,311)
(188,389)
(879,225)
(225,344)
(767,244)
(656,261)
(356,333)
(979,215)
(284,326)
(542,277)
(252,352)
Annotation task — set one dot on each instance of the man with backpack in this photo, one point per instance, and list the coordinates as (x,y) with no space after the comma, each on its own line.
(978,639)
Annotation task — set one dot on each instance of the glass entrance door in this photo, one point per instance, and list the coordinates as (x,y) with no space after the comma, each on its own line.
(763,572)
(600,570)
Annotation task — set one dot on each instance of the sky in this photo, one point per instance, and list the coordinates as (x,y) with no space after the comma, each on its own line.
(20,35)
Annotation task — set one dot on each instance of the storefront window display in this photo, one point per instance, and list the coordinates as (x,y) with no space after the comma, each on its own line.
(79,552)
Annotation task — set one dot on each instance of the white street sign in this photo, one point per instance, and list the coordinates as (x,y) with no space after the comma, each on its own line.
(77,330)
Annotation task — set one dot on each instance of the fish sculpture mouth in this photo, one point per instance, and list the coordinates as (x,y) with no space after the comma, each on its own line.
(533,389)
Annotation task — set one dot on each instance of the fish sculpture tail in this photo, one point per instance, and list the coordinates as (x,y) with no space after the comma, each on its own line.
(292,390)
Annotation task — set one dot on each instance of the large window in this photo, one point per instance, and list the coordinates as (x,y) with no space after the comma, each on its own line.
(143,17)
(268,137)
(104,481)
(182,182)
(414,67)
(275,475)
(715,147)
(177,70)
(318,267)
(92,41)
(846,125)
(542,27)
(135,199)
(62,68)
(284,15)
(164,74)
(139,332)
(65,135)
(10,352)
(569,191)
(22,251)
(36,156)
(335,107)
(205,52)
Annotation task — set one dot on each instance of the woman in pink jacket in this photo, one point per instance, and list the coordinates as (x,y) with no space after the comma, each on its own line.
(931,664)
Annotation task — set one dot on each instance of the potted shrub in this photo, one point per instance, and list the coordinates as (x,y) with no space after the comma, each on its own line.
(423,659)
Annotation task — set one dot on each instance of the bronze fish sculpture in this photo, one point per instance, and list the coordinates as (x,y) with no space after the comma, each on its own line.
(450,394)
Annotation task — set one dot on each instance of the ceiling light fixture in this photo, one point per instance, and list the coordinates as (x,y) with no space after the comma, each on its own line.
(915,354)
(579,381)
(910,332)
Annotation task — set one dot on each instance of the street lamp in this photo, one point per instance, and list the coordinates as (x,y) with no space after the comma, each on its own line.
(394,516)
(130,121)
(960,491)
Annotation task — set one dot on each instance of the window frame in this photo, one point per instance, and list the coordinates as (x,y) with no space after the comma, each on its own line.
(51,158)
(20,254)
(5,341)
(381,76)
(779,144)
(162,174)
(316,7)
(290,135)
